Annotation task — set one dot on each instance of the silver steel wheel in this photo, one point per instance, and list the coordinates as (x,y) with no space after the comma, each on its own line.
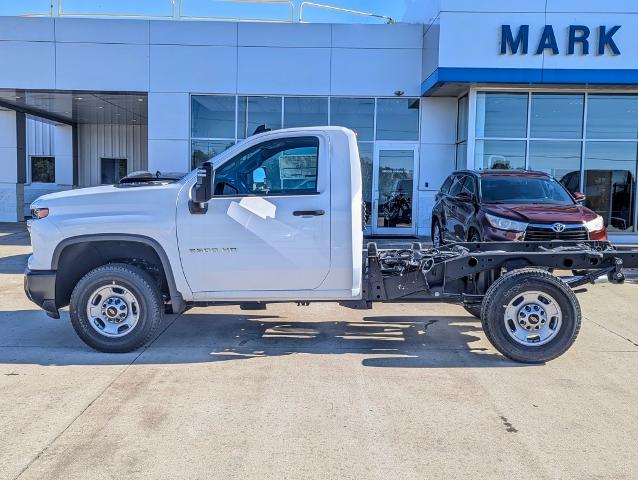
(533,318)
(112,311)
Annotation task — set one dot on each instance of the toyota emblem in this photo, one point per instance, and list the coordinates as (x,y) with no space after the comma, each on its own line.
(559,227)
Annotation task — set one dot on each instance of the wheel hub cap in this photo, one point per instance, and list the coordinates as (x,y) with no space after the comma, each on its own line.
(112,311)
(533,318)
(115,309)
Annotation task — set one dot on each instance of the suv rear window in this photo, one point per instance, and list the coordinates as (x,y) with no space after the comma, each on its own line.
(527,190)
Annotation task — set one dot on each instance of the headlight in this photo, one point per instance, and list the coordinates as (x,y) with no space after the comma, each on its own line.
(39,212)
(506,223)
(595,225)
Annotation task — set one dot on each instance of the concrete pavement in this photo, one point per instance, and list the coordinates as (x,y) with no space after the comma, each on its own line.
(318,392)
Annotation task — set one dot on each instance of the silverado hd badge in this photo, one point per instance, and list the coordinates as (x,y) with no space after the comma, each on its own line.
(213,250)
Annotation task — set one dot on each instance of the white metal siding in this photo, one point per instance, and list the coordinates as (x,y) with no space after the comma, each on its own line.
(40,142)
(40,138)
(110,141)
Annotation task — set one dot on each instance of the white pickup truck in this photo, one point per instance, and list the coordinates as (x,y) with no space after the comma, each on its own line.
(278,218)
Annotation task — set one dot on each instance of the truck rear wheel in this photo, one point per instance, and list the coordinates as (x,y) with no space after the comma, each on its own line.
(531,316)
(116,308)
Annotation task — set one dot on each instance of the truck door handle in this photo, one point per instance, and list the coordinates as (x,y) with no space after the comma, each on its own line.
(308,213)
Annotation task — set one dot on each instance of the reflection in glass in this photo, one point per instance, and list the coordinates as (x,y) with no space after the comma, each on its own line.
(610,182)
(354,113)
(398,119)
(212,116)
(556,115)
(612,116)
(203,150)
(396,176)
(555,158)
(500,154)
(502,115)
(366,153)
(256,111)
(305,111)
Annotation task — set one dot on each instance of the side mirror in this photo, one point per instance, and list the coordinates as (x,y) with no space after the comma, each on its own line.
(465,197)
(202,191)
(579,197)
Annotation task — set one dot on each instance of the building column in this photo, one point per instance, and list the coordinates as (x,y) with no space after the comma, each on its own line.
(168,132)
(64,157)
(12,165)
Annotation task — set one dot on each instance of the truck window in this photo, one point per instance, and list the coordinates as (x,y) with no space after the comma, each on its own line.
(285,166)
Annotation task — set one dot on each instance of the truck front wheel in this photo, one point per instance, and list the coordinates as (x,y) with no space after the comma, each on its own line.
(116,308)
(531,316)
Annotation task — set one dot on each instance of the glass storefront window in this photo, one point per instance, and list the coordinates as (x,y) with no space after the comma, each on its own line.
(212,116)
(204,150)
(396,184)
(558,159)
(500,154)
(366,152)
(305,111)
(556,115)
(256,111)
(354,113)
(612,117)
(398,119)
(501,115)
(610,183)
(558,135)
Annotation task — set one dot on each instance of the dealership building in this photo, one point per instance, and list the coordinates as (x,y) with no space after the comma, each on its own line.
(547,85)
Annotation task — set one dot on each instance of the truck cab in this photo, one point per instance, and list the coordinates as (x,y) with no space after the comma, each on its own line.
(280,221)
(284,206)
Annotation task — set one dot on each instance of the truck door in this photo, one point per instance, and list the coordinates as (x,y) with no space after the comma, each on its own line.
(267,227)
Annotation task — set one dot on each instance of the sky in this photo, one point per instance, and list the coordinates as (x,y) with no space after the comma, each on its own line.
(392,8)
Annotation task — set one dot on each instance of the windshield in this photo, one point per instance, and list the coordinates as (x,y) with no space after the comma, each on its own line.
(528,190)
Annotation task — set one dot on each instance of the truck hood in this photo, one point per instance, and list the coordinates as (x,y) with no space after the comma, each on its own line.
(536,213)
(108,200)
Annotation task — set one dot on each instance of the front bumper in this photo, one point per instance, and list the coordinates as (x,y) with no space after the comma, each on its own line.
(39,286)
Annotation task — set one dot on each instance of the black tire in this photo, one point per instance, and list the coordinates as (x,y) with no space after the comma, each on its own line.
(505,290)
(149,304)
(474,309)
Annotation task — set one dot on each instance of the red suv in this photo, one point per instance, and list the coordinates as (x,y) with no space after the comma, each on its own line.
(502,205)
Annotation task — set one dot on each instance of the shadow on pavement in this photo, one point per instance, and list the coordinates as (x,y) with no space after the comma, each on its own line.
(15,234)
(391,342)
(13,263)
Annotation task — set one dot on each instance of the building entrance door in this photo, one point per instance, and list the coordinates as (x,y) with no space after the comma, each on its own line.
(393,189)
